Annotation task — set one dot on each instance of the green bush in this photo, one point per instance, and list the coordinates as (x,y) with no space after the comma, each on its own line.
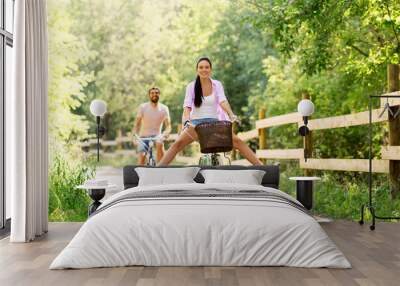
(339,195)
(344,201)
(66,203)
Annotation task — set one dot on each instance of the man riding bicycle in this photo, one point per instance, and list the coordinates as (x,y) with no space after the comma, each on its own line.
(151,116)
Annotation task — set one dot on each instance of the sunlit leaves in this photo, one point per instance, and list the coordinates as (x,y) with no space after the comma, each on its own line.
(319,31)
(66,80)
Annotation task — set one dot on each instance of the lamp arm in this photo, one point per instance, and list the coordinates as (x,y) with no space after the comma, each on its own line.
(305,119)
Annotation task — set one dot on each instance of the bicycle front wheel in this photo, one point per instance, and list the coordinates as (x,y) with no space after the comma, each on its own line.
(215,160)
(204,160)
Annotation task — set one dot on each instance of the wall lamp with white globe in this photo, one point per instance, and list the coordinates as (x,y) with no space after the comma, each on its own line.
(98,108)
(305,108)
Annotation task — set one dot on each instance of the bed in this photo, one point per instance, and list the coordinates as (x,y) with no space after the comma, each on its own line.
(198,224)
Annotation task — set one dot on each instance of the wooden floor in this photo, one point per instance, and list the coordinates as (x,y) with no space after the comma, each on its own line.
(375,257)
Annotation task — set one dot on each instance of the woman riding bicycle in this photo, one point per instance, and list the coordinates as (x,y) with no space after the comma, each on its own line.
(205,101)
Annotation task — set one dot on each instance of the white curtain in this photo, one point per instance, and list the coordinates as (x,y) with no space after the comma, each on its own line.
(27,152)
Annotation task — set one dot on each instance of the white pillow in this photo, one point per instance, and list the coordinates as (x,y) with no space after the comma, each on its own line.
(249,177)
(166,176)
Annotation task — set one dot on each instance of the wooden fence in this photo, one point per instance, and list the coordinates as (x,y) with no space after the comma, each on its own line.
(388,153)
(123,146)
(118,146)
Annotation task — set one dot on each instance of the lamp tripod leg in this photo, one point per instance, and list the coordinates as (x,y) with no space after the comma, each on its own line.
(372,210)
(98,137)
(361,221)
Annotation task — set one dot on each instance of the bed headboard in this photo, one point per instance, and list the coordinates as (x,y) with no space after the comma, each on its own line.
(270,179)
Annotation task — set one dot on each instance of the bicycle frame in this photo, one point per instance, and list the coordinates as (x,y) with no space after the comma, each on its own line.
(213,159)
(150,161)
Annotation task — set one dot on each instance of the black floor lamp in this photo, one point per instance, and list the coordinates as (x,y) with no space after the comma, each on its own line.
(369,206)
(305,108)
(98,108)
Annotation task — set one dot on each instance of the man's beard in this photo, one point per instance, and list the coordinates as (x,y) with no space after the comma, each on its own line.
(154,99)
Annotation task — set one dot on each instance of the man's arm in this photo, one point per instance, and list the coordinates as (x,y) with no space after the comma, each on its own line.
(136,127)
(138,122)
(167,124)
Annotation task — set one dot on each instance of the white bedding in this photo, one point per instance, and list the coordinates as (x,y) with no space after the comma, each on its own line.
(185,231)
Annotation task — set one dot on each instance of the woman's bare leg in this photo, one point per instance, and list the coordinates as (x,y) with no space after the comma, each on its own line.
(160,150)
(141,158)
(245,150)
(187,136)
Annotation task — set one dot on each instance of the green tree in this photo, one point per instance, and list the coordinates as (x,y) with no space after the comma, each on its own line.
(139,44)
(362,33)
(237,50)
(66,80)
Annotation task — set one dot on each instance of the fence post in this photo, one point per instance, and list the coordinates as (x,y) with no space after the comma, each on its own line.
(307,141)
(262,134)
(119,140)
(394,130)
(234,151)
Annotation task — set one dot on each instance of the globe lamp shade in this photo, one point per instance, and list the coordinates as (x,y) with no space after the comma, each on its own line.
(98,107)
(305,107)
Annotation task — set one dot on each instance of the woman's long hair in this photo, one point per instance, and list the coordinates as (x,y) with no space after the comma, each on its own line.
(198,92)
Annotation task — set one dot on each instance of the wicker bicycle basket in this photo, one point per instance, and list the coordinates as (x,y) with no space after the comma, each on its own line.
(215,136)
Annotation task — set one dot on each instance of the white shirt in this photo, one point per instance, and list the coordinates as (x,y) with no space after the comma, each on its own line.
(152,118)
(207,109)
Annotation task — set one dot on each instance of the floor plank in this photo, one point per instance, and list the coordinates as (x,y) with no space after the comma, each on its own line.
(375,257)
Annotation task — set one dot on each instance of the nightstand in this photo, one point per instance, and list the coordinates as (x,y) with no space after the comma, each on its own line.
(304,190)
(96,193)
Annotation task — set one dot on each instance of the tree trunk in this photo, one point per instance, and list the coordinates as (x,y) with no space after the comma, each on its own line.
(394,131)
(262,141)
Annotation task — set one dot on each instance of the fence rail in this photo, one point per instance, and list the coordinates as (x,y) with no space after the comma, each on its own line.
(118,141)
(351,165)
(278,120)
(388,153)
(115,148)
(354,119)
(280,153)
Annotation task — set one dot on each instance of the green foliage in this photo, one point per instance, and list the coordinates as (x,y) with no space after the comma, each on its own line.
(333,93)
(66,202)
(66,84)
(362,34)
(66,79)
(237,49)
(266,53)
(343,200)
(339,195)
(137,45)
(117,161)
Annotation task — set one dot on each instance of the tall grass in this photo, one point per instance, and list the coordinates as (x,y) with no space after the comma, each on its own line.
(66,202)
(339,195)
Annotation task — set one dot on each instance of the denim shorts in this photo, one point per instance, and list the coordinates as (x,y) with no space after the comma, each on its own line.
(202,120)
(143,145)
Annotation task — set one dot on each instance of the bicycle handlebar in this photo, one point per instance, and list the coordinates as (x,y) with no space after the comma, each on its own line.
(156,138)
(236,119)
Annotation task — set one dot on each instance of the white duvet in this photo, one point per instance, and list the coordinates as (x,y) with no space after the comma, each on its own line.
(200,231)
